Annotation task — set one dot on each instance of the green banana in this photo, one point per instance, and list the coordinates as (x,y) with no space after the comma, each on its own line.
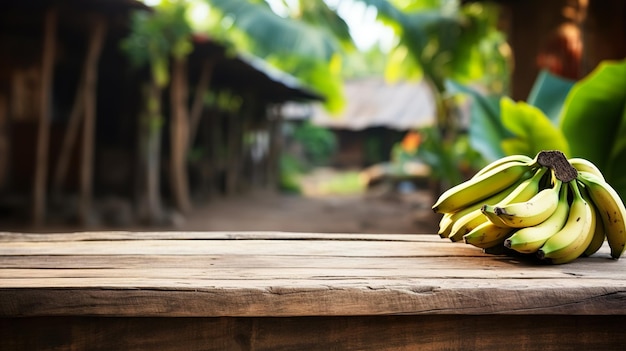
(482,187)
(571,241)
(530,239)
(583,165)
(504,160)
(487,235)
(611,208)
(527,213)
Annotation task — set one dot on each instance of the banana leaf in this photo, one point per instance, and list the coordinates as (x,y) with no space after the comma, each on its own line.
(272,33)
(533,131)
(594,121)
(549,93)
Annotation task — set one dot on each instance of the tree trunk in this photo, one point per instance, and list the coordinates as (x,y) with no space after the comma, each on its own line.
(179,129)
(43,135)
(96,42)
(148,182)
(198,99)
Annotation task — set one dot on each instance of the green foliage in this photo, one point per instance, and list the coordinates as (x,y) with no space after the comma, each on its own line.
(594,121)
(594,114)
(449,159)
(486,130)
(488,133)
(301,48)
(585,119)
(371,62)
(445,40)
(532,130)
(549,93)
(290,171)
(345,183)
(318,14)
(154,37)
(318,143)
(323,76)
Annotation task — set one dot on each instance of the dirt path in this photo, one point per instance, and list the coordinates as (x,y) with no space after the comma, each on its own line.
(367,213)
(378,210)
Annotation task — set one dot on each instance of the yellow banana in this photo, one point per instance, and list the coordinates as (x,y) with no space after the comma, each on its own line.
(466,223)
(599,235)
(583,165)
(585,240)
(526,213)
(611,208)
(530,239)
(457,226)
(445,225)
(524,192)
(503,160)
(482,187)
(571,241)
(487,235)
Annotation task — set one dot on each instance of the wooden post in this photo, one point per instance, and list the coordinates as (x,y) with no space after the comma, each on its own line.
(215,150)
(604,33)
(179,137)
(234,160)
(69,139)
(4,142)
(43,135)
(96,41)
(275,146)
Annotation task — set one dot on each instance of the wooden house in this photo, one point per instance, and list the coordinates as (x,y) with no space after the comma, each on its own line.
(70,106)
(377,116)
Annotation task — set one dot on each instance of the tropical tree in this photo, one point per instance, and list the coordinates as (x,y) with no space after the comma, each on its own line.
(155,38)
(444,41)
(307,44)
(438,41)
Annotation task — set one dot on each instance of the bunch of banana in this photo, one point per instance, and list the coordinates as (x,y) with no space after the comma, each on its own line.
(551,207)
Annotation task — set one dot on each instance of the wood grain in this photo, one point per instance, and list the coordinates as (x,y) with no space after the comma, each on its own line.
(298,291)
(271,274)
(425,333)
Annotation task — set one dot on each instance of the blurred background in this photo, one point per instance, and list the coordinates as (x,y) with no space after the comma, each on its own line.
(291,115)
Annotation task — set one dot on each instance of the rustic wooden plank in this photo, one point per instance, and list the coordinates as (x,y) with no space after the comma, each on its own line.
(212,274)
(243,247)
(282,298)
(173,235)
(246,269)
(441,332)
(599,265)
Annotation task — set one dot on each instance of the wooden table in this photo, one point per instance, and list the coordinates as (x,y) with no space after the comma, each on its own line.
(288,291)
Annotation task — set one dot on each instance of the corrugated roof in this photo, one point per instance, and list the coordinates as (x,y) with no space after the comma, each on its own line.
(372,102)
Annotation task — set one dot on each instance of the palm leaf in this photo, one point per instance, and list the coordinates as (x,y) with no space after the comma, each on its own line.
(271,33)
